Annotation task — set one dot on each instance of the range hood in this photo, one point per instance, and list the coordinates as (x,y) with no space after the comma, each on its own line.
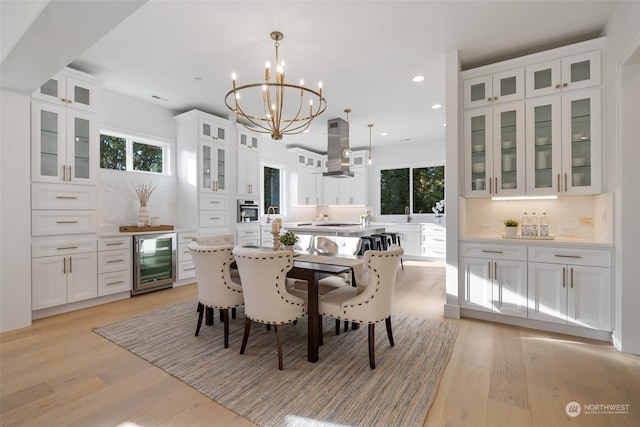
(337,163)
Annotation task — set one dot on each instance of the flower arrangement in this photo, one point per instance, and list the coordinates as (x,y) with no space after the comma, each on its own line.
(144,192)
(289,238)
(510,222)
(438,209)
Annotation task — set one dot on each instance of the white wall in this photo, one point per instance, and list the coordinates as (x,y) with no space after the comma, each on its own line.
(15,212)
(622,143)
(118,203)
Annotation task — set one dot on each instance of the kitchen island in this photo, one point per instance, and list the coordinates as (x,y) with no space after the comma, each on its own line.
(333,229)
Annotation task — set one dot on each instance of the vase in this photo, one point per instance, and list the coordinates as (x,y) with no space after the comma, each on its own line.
(289,248)
(143,215)
(511,232)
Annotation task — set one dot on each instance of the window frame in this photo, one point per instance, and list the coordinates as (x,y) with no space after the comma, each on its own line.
(284,188)
(137,137)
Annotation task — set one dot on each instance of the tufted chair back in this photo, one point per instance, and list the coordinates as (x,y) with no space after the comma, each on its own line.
(263,276)
(342,245)
(215,287)
(217,240)
(374,303)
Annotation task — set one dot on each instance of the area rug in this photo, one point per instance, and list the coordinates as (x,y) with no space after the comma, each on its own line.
(339,390)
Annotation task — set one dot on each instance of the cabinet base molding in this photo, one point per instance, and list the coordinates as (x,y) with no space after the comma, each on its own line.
(537,324)
(183,282)
(65,308)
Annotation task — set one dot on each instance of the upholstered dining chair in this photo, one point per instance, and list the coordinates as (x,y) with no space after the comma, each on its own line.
(373,304)
(266,297)
(216,289)
(217,240)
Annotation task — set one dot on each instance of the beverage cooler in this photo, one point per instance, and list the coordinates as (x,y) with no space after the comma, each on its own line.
(154,257)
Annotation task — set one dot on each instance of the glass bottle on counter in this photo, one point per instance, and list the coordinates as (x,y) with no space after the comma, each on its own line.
(544,225)
(533,225)
(524,225)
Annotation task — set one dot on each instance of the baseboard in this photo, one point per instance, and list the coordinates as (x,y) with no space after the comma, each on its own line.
(52,311)
(452,311)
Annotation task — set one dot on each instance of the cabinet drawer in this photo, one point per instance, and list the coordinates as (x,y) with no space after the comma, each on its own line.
(112,243)
(434,240)
(435,230)
(566,255)
(248,233)
(249,241)
(50,223)
(186,270)
(434,252)
(184,254)
(481,250)
(112,283)
(213,202)
(117,260)
(213,219)
(186,238)
(63,196)
(47,247)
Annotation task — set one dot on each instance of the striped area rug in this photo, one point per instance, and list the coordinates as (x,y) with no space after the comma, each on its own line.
(339,390)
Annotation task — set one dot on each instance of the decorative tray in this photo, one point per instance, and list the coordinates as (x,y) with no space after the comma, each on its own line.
(519,237)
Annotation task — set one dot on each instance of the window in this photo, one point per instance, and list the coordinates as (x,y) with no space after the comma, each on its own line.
(417,190)
(123,152)
(271,195)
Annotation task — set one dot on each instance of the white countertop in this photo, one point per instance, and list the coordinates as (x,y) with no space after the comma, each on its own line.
(565,241)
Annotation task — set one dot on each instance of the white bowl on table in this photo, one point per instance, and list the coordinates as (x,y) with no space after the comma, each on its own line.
(477,167)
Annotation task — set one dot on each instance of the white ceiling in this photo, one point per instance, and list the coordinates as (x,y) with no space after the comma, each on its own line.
(364,52)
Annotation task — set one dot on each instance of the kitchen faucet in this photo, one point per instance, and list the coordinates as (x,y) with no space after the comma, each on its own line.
(271,209)
(406,212)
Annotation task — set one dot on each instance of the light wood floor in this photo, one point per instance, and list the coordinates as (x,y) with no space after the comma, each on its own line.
(57,372)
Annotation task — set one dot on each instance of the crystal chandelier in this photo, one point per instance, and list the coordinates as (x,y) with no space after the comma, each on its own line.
(273,118)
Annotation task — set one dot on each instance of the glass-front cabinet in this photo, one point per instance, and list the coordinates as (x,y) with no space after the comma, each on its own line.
(212,130)
(571,73)
(213,167)
(495,151)
(64,144)
(69,91)
(544,143)
(495,88)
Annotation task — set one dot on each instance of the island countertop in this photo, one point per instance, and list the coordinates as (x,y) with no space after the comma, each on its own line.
(333,229)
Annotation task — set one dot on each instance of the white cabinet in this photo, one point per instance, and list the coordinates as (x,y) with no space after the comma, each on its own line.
(63,272)
(185,268)
(494,149)
(573,72)
(305,177)
(64,144)
(571,286)
(410,237)
(348,191)
(503,86)
(71,89)
(266,237)
(248,173)
(495,278)
(248,234)
(60,209)
(114,265)
(564,148)
(202,169)
(434,242)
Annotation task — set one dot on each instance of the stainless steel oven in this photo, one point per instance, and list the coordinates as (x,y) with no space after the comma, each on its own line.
(248,211)
(154,257)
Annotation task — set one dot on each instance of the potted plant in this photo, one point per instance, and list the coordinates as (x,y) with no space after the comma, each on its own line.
(289,239)
(511,227)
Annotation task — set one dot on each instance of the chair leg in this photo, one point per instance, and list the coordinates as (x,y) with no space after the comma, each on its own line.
(346,326)
(200,315)
(245,338)
(401,263)
(221,315)
(225,321)
(279,339)
(233,313)
(337,327)
(387,321)
(372,335)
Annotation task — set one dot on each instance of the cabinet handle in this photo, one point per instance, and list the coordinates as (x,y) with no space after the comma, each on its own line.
(565,84)
(189,269)
(495,98)
(63,99)
(565,182)
(568,256)
(571,270)
(495,270)
(69,101)
(66,222)
(489,99)
(490,184)
(559,183)
(66,197)
(64,173)
(558,86)
(492,251)
(70,264)
(115,244)
(496,185)
(64,265)
(66,248)
(115,283)
(70,173)
(489,264)
(564,277)
(215,217)
(115,260)
(214,201)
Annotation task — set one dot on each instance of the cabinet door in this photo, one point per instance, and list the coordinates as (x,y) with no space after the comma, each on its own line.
(477,284)
(478,92)
(589,299)
(306,186)
(478,149)
(48,139)
(543,78)
(248,172)
(509,150)
(359,185)
(82,95)
(82,277)
(544,146)
(213,167)
(508,86)
(581,71)
(49,282)
(247,140)
(210,130)
(330,190)
(581,149)
(82,147)
(345,191)
(510,288)
(53,90)
(547,290)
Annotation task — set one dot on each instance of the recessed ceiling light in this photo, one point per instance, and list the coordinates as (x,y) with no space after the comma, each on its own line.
(436,106)
(384,134)
(418,78)
(444,124)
